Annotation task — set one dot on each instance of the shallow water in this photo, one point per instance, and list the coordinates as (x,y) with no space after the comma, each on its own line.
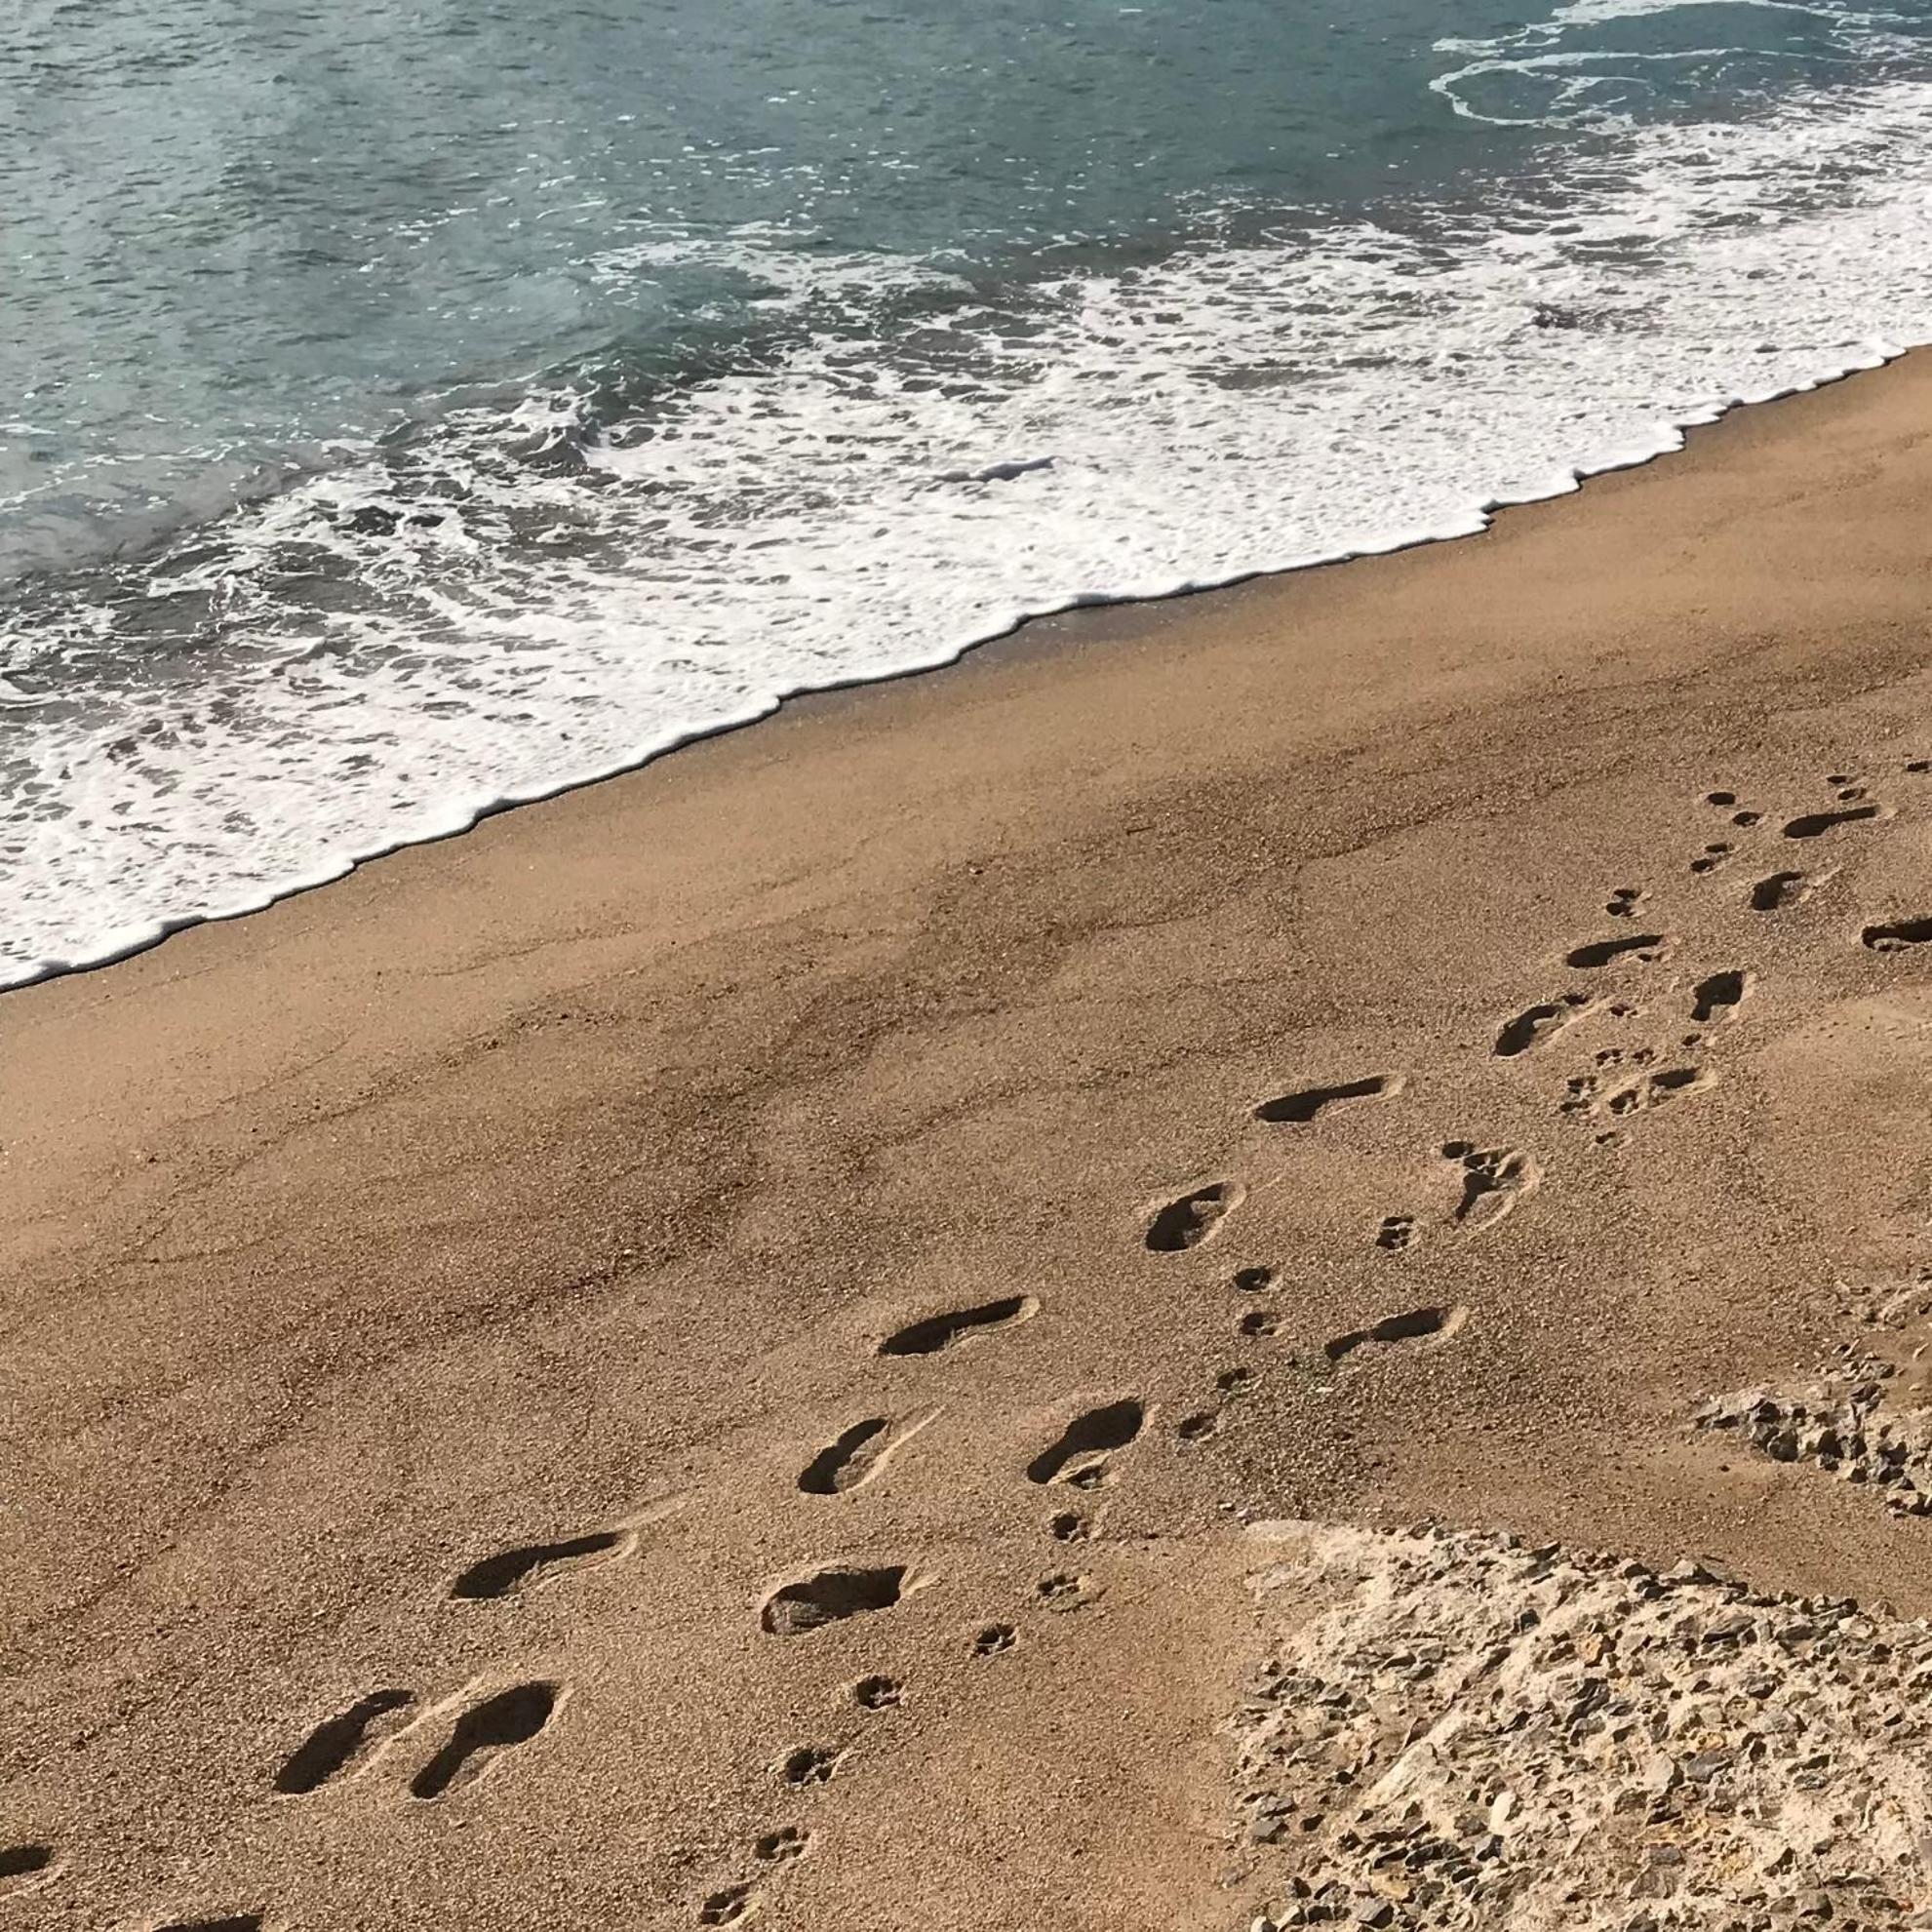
(417,406)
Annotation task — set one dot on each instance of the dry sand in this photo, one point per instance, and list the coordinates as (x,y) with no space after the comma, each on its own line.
(424,1301)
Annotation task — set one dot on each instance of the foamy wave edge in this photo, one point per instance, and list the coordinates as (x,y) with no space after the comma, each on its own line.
(460,815)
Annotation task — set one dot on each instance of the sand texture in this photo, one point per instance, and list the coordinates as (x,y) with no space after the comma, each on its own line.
(716,1350)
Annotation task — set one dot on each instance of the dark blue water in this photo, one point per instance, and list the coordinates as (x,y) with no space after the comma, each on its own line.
(408,406)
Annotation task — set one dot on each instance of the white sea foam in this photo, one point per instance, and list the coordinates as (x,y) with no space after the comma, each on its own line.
(854,507)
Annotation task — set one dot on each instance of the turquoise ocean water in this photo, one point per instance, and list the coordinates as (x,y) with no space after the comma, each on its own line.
(415,405)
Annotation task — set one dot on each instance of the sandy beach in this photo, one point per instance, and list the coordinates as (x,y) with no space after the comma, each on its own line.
(720,1348)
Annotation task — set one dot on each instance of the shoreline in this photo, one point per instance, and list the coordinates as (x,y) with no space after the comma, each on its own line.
(714,1343)
(466,818)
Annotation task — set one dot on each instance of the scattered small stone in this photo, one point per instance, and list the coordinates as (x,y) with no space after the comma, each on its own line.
(1843,1425)
(1471,1735)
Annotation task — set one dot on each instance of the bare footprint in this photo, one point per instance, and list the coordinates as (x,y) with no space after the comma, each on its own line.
(1896,936)
(1189,1221)
(1782,890)
(936,1332)
(1723,993)
(484,1733)
(1540,1022)
(1815,824)
(342,1744)
(1414,1324)
(241,1921)
(27,1867)
(1309,1101)
(1493,1180)
(538,1563)
(830,1595)
(859,1453)
(1599,952)
(1090,1435)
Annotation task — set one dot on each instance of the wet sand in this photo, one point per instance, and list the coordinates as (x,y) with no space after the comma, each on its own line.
(705,1349)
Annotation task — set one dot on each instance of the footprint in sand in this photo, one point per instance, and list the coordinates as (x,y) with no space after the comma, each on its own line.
(1781,890)
(856,1455)
(1088,1439)
(1815,824)
(1415,1324)
(534,1565)
(1232,1382)
(538,1563)
(780,1847)
(1624,901)
(241,1921)
(936,1332)
(1251,1281)
(1258,1325)
(344,1743)
(1720,996)
(483,1734)
(1064,1590)
(1304,1105)
(27,1867)
(1711,857)
(810,1764)
(1495,1179)
(727,1906)
(1647,947)
(1896,936)
(1069,1526)
(1397,1232)
(1198,1427)
(993,1641)
(831,1594)
(1725,801)
(1657,1089)
(878,1693)
(1193,1218)
(1540,1022)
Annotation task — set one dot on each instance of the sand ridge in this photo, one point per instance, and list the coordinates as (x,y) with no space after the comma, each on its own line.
(702,1354)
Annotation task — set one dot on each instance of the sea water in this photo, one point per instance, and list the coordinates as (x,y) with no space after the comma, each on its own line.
(409,407)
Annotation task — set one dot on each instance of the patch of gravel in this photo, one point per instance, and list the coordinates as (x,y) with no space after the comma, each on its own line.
(1839,1423)
(1851,1421)
(1457,1731)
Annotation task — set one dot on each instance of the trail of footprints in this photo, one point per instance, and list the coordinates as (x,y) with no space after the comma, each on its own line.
(450,1745)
